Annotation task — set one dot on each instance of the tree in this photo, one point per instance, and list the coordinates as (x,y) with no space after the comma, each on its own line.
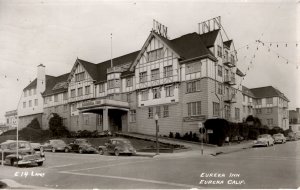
(34,124)
(56,126)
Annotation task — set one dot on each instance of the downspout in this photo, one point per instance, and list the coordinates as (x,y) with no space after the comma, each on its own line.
(216,89)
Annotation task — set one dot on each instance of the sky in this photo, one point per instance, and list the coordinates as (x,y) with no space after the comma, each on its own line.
(55,33)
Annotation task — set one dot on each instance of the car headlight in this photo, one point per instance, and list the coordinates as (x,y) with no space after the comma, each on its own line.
(20,157)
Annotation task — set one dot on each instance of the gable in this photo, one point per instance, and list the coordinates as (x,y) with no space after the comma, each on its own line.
(79,68)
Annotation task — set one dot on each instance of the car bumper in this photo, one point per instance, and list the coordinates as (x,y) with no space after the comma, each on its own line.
(23,162)
(279,141)
(260,144)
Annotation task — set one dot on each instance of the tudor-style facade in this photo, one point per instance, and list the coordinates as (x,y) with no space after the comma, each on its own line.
(184,81)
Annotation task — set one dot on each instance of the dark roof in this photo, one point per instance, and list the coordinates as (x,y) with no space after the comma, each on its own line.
(247,91)
(33,83)
(209,38)
(51,87)
(190,46)
(267,92)
(91,68)
(227,43)
(239,72)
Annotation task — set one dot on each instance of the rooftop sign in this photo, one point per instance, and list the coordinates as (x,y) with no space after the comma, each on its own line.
(160,29)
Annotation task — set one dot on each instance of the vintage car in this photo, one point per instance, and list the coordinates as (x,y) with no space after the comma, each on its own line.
(25,155)
(279,138)
(264,140)
(56,145)
(82,146)
(117,146)
(36,146)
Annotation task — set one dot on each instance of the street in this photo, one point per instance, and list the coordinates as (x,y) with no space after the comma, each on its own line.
(262,167)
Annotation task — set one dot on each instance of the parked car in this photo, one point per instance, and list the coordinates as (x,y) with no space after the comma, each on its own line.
(117,146)
(291,136)
(82,146)
(264,140)
(26,154)
(55,145)
(279,138)
(36,146)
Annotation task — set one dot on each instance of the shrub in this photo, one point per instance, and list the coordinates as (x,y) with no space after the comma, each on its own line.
(220,129)
(177,135)
(34,124)
(195,137)
(185,136)
(171,135)
(56,126)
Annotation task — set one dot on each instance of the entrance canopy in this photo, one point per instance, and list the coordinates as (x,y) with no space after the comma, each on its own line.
(97,106)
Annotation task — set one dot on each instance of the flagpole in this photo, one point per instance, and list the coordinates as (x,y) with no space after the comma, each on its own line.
(111,61)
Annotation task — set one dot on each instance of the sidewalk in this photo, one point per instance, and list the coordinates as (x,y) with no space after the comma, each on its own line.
(225,149)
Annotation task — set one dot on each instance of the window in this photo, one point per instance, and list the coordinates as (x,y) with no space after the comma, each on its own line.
(249,110)
(36,102)
(193,68)
(226,55)
(220,88)
(79,76)
(166,111)
(269,100)
(220,73)
(244,109)
(169,91)
(150,112)
(244,98)
(157,109)
(87,89)
(65,95)
(143,77)
(34,91)
(73,107)
(110,84)
(73,94)
(154,74)
(258,101)
(219,51)
(79,91)
(269,110)
(144,95)
(24,104)
(156,93)
(29,92)
(66,107)
(270,122)
(232,59)
(129,81)
(237,113)
(193,86)
(258,111)
(168,71)
(155,54)
(194,108)
(30,103)
(216,109)
(56,98)
(101,88)
(132,115)
(227,111)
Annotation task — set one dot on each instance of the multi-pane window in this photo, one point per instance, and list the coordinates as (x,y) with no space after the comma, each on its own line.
(36,102)
(227,111)
(258,111)
(258,101)
(24,104)
(111,84)
(193,86)
(80,91)
(226,55)
(88,89)
(219,51)
(157,109)
(30,103)
(65,96)
(132,115)
(73,93)
(66,107)
(155,54)
(237,113)
(216,109)
(166,111)
(129,81)
(194,108)
(232,59)
(79,76)
(270,122)
(193,67)
(169,91)
(156,93)
(144,95)
(101,87)
(154,74)
(269,110)
(150,112)
(168,71)
(220,73)
(73,107)
(143,77)
(269,100)
(56,98)
(220,88)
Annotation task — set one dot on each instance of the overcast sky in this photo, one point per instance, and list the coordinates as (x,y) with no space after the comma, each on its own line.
(55,33)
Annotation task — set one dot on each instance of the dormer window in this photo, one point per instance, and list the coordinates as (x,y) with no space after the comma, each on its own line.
(219,51)
(155,54)
(79,77)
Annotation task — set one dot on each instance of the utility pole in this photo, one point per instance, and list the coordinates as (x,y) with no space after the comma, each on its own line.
(156,133)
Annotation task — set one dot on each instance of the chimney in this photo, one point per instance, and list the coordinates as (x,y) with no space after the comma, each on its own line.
(41,79)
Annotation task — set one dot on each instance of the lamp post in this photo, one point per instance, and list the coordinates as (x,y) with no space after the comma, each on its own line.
(156,134)
(202,131)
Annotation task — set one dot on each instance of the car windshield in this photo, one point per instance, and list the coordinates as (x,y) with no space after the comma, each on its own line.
(13,146)
(58,142)
(263,136)
(82,141)
(125,141)
(277,135)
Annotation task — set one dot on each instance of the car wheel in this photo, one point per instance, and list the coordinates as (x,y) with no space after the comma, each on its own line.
(66,150)
(53,149)
(40,163)
(117,152)
(80,151)
(101,151)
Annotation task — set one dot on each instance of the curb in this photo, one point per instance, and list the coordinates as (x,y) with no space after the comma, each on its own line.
(231,151)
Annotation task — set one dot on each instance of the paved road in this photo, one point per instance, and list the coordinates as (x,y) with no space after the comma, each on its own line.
(270,167)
